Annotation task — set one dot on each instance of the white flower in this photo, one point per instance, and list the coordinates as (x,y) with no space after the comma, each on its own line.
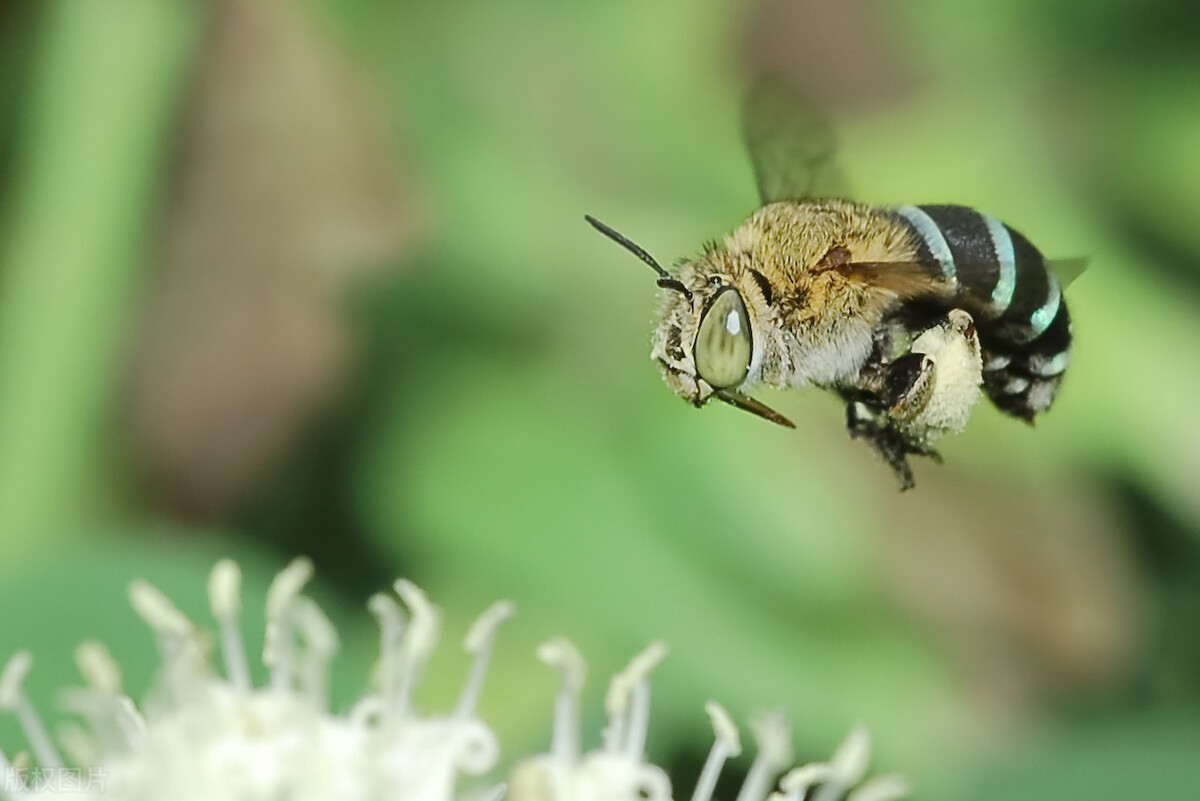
(200,735)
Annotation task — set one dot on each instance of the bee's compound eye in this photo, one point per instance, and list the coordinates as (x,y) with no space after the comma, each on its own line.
(723,345)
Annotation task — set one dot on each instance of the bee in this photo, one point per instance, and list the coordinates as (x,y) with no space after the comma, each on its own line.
(908,314)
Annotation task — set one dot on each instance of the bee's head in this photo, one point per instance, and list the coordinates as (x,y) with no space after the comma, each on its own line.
(705,343)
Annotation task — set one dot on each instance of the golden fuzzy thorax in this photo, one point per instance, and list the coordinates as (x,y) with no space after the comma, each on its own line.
(810,323)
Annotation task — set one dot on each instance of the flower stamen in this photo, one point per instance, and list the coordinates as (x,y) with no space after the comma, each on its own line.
(390,618)
(13,698)
(478,642)
(628,702)
(882,788)
(278,647)
(225,599)
(320,645)
(773,734)
(727,743)
(418,643)
(566,730)
(10,780)
(847,766)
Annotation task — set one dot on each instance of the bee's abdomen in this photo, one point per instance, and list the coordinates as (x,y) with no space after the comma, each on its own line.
(1000,278)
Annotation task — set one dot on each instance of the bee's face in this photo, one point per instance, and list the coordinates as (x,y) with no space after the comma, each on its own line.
(714,317)
(705,341)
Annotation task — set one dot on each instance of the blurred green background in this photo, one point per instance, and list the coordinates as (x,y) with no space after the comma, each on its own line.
(311,276)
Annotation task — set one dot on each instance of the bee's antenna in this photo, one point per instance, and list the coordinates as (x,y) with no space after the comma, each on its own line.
(630,246)
(664,278)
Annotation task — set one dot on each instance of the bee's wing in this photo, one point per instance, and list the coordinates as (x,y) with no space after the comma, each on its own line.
(791,145)
(918,281)
(908,279)
(1067,270)
(911,279)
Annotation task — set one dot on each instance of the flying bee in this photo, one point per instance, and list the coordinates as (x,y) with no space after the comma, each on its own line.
(909,314)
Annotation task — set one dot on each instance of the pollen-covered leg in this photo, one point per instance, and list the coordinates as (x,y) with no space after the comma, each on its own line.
(946,384)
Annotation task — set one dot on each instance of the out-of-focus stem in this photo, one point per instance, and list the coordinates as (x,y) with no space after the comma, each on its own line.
(89,164)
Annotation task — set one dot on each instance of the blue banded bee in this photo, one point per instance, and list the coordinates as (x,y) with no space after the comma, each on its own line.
(909,314)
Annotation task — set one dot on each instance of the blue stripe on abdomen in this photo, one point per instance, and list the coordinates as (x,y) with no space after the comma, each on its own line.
(1040,320)
(1006,258)
(934,239)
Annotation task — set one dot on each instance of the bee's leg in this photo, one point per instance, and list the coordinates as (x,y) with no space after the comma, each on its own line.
(890,404)
(904,473)
(863,421)
(908,384)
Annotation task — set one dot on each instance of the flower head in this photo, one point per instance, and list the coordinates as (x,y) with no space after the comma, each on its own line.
(204,734)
